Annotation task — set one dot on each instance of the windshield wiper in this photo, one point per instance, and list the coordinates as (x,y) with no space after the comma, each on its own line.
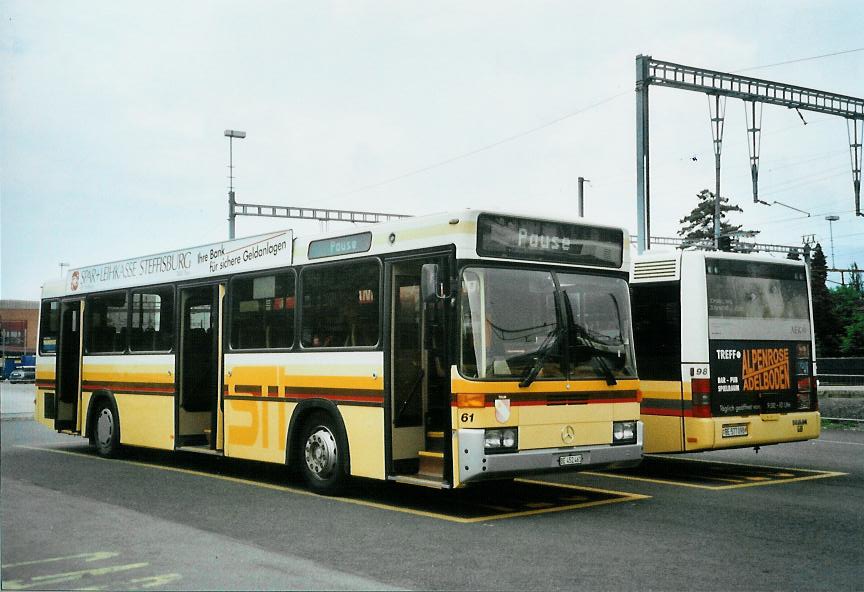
(581,334)
(542,353)
(584,337)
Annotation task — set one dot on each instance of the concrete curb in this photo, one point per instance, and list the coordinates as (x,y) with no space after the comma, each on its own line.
(16,416)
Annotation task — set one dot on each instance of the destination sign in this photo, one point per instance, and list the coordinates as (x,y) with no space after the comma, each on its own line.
(542,240)
(340,245)
(264,251)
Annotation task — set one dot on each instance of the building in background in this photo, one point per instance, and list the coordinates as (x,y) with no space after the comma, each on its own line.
(19,324)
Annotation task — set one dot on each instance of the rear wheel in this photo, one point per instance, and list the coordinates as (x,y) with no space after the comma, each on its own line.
(323,455)
(106,430)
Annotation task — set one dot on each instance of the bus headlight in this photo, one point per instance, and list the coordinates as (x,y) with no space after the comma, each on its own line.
(501,440)
(624,432)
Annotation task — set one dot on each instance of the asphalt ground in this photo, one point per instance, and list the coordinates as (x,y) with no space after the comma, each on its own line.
(162,521)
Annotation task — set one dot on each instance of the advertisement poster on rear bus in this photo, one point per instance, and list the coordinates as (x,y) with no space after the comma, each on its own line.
(263,251)
(749,377)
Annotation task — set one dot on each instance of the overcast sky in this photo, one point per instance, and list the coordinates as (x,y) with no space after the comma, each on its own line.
(112,117)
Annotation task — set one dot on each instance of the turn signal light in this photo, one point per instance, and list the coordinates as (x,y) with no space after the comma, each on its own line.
(471,400)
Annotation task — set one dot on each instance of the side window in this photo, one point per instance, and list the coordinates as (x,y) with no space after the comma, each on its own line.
(262,311)
(152,320)
(657,330)
(105,323)
(49,327)
(340,305)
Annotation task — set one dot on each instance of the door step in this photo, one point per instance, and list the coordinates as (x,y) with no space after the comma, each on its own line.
(435,441)
(423,481)
(201,450)
(431,464)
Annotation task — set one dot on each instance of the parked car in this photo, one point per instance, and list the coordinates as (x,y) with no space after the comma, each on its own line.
(23,374)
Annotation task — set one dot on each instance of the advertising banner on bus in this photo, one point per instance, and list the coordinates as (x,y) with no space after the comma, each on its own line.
(263,251)
(757,300)
(749,377)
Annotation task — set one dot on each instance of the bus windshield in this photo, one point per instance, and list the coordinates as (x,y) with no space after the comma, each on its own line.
(523,325)
(756,300)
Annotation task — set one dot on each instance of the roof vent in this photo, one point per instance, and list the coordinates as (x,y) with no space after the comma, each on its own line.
(649,270)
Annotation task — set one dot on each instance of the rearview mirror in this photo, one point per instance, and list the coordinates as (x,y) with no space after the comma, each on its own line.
(430,283)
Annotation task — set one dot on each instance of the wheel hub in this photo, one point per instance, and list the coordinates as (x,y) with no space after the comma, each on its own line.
(104,428)
(320,453)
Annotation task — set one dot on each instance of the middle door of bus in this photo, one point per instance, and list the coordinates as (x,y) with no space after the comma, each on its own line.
(68,371)
(199,372)
(419,376)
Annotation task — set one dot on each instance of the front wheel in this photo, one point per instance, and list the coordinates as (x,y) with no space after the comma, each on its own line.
(324,455)
(106,431)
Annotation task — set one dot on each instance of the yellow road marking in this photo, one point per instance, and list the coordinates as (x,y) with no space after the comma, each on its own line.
(496,508)
(727,462)
(717,487)
(87,557)
(625,496)
(756,481)
(575,498)
(50,580)
(724,480)
(152,581)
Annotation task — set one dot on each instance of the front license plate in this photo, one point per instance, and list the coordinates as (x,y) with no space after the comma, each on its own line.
(733,431)
(570,459)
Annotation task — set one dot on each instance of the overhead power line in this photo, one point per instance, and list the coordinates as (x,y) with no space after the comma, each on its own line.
(795,61)
(538,128)
(452,159)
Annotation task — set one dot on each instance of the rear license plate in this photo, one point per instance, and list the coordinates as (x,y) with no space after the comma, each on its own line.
(570,459)
(733,431)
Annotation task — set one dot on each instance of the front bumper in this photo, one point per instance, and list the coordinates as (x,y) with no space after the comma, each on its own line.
(476,465)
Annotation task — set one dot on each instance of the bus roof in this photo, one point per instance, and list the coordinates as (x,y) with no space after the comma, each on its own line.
(282,248)
(666,265)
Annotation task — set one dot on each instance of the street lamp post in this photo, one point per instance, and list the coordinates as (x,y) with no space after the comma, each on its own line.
(581,194)
(231,134)
(831,221)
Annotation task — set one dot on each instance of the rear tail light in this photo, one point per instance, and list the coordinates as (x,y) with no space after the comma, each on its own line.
(807,400)
(701,390)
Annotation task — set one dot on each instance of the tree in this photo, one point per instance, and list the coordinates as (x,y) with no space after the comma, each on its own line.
(825,323)
(698,225)
(848,308)
(855,278)
(852,343)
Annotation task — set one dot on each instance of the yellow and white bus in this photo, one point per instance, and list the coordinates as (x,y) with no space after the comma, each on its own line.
(725,348)
(438,350)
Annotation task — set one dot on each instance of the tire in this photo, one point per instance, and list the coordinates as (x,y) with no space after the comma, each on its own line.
(323,455)
(106,430)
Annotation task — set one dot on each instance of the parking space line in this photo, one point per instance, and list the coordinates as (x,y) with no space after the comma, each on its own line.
(87,557)
(822,441)
(751,481)
(621,496)
(230,479)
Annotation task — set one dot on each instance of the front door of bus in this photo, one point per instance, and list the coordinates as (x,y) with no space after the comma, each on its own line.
(199,404)
(68,371)
(419,375)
